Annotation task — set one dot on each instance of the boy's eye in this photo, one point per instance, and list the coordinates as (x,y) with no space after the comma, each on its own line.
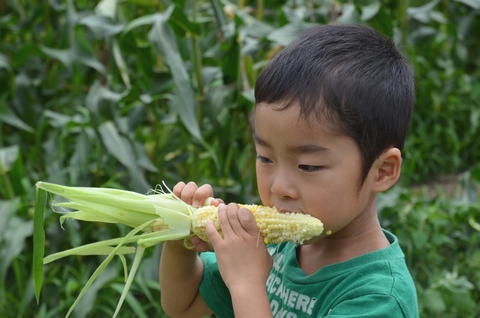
(309,168)
(263,159)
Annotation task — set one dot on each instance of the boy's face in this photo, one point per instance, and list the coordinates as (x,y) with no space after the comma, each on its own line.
(304,167)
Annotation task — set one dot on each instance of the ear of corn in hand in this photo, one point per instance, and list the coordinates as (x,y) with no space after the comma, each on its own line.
(275,227)
(169,218)
(156,217)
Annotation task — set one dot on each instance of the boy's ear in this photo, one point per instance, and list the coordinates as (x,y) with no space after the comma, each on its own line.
(388,167)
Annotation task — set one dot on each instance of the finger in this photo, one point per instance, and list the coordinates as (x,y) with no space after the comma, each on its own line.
(247,221)
(232,214)
(188,192)
(177,189)
(224,220)
(201,194)
(199,244)
(216,202)
(213,236)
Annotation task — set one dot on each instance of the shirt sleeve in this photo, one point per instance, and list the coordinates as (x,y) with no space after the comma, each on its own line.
(371,306)
(214,292)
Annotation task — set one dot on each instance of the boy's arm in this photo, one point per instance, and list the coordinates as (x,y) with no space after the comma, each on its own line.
(243,260)
(181,269)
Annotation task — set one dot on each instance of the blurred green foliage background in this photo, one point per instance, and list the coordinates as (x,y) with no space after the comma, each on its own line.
(130,93)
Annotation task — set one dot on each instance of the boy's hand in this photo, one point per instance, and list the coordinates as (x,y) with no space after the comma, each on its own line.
(192,194)
(242,257)
(196,196)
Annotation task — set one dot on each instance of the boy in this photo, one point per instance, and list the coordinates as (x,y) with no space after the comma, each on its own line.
(332,111)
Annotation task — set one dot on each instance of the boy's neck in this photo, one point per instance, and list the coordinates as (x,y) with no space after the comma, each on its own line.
(341,247)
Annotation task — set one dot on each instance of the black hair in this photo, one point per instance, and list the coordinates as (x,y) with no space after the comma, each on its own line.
(349,76)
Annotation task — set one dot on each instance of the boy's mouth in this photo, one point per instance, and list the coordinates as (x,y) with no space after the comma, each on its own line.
(285,210)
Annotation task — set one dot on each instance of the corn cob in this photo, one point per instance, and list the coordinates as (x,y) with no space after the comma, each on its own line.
(275,227)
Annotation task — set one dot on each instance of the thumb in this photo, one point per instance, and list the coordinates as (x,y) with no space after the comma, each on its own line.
(213,236)
(199,244)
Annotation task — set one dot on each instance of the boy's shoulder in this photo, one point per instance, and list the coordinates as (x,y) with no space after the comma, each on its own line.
(386,265)
(376,282)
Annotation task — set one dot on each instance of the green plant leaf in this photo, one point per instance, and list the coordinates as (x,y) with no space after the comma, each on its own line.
(473,223)
(286,34)
(475,4)
(16,232)
(121,149)
(433,301)
(85,54)
(133,303)
(117,145)
(419,238)
(475,174)
(86,304)
(369,11)
(65,56)
(138,22)
(7,208)
(422,13)
(99,102)
(9,117)
(219,12)
(102,27)
(107,8)
(164,42)
(131,275)
(143,160)
(8,156)
(180,19)
(104,264)
(4,62)
(122,66)
(38,240)
(13,231)
(349,14)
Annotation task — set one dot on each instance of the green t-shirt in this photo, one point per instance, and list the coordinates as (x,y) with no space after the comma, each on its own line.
(376,284)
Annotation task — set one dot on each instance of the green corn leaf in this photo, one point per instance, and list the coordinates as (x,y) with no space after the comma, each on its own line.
(104,264)
(4,63)
(473,223)
(138,22)
(142,212)
(369,11)
(9,117)
(165,44)
(136,262)
(38,240)
(88,250)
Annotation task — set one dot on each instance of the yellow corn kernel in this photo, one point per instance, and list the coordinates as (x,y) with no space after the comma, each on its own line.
(158,225)
(274,226)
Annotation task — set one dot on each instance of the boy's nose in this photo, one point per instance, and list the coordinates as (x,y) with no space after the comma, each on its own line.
(283,187)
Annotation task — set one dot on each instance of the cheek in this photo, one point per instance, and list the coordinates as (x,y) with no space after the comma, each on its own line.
(263,183)
(333,202)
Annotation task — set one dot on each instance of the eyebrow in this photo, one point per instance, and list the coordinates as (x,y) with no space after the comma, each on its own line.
(307,148)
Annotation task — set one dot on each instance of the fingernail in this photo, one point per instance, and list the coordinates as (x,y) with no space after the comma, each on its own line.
(196,203)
